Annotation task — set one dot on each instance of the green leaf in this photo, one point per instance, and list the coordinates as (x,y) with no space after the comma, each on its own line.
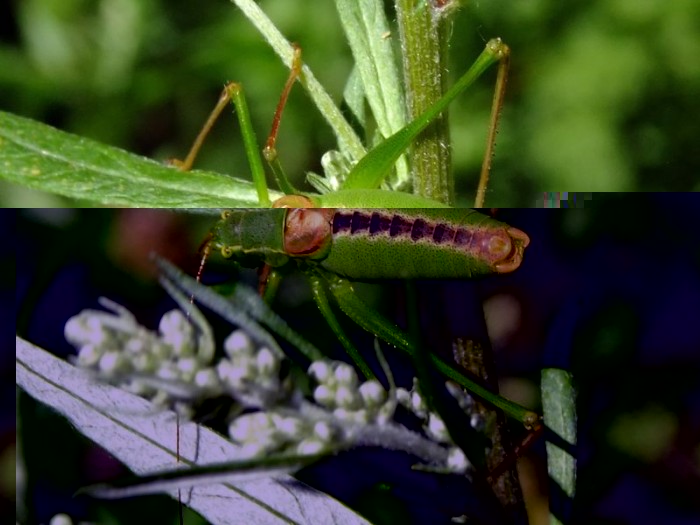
(242,307)
(368,33)
(559,411)
(38,156)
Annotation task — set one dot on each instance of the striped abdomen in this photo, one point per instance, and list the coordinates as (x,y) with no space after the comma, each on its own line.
(423,243)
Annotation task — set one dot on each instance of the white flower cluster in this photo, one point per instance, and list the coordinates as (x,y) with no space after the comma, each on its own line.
(162,365)
(262,433)
(434,426)
(154,365)
(173,366)
(346,404)
(250,374)
(339,390)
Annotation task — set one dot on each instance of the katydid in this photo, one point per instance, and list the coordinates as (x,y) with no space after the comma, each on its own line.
(393,241)
(334,245)
(372,244)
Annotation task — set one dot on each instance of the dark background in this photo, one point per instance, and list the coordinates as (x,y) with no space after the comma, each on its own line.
(610,292)
(602,94)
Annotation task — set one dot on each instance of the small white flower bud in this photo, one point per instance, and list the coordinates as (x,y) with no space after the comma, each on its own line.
(418,404)
(403,396)
(235,374)
(320,370)
(310,446)
(249,426)
(323,431)
(84,329)
(477,422)
(267,363)
(61,519)
(464,400)
(143,362)
(160,351)
(384,415)
(187,365)
(290,427)
(436,428)
(168,371)
(252,450)
(177,332)
(324,396)
(206,378)
(238,343)
(112,362)
(456,461)
(89,355)
(343,414)
(360,417)
(223,369)
(345,375)
(135,345)
(347,397)
(372,392)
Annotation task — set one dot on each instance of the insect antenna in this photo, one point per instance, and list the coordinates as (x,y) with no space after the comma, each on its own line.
(204,250)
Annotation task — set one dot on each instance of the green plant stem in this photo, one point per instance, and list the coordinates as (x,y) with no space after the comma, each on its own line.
(423,33)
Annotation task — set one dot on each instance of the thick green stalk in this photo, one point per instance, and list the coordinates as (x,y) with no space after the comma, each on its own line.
(423,31)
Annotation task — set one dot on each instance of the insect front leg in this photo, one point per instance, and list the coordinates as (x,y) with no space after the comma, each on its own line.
(270,150)
(373,168)
(233,92)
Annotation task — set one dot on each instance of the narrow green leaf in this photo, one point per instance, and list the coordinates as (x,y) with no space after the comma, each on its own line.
(354,96)
(373,168)
(242,307)
(368,33)
(348,140)
(559,410)
(38,156)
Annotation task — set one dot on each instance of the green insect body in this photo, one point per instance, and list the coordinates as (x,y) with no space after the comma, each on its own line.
(368,244)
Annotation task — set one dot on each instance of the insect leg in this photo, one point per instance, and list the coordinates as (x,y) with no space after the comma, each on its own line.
(233,92)
(270,151)
(321,299)
(496,106)
(373,322)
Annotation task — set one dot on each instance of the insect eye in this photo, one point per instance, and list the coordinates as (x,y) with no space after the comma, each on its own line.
(307,231)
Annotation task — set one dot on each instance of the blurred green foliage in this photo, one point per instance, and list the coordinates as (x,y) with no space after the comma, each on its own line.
(602,94)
